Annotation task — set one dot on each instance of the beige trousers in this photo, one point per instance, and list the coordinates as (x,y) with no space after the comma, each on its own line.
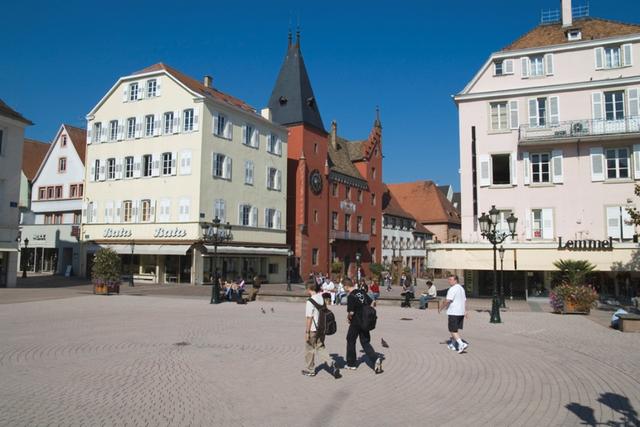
(315,351)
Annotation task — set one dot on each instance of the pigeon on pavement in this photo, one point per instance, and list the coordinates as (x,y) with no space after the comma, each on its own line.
(262,310)
(384,343)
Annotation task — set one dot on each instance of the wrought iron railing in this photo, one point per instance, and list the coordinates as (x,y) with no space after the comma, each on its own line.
(348,235)
(579,129)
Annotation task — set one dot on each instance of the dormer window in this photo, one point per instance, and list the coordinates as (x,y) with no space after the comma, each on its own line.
(503,67)
(573,35)
(613,56)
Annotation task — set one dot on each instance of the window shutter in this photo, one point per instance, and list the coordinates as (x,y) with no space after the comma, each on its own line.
(547,224)
(627,55)
(94,212)
(118,211)
(525,67)
(101,172)
(599,54)
(254,216)
(513,114)
(278,220)
(135,206)
(196,118)
(556,165)
(121,126)
(223,210)
(636,161)
(266,179)
(255,139)
(484,171)
(215,123)
(278,145)
(597,164)
(613,222)
(136,166)
(596,103)
(528,226)
(108,209)
(155,164)
(176,121)
(103,135)
(227,167)
(533,113)
(158,86)
(266,217)
(527,167)
(92,175)
(228,129)
(240,214)
(514,168)
(634,103)
(548,63)
(278,180)
(125,93)
(244,134)
(157,124)
(554,110)
(174,163)
(628,229)
(152,211)
(139,126)
(119,168)
(508,66)
(185,162)
(84,212)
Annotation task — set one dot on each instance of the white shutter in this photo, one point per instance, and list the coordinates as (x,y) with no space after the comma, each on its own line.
(136,166)
(119,166)
(484,171)
(613,222)
(244,133)
(141,90)
(599,54)
(226,169)
(136,208)
(158,86)
(556,166)
(548,63)
(102,172)
(507,66)
(94,212)
(185,162)
(278,220)
(89,133)
(121,127)
(266,179)
(240,214)
(254,216)
(526,162)
(184,209)
(525,67)
(228,129)
(513,157)
(554,110)
(152,210)
(627,55)
(513,114)
(155,164)
(157,124)
(176,121)
(634,103)
(174,163)
(139,125)
(628,229)
(118,211)
(255,139)
(547,224)
(108,212)
(125,93)
(196,118)
(84,212)
(528,226)
(92,174)
(103,134)
(215,123)
(533,113)
(278,180)
(596,103)
(636,161)
(278,145)
(597,163)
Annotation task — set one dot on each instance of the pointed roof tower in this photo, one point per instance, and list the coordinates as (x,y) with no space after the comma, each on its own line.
(292,101)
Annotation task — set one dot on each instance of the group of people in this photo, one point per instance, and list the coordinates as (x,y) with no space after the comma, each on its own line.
(336,290)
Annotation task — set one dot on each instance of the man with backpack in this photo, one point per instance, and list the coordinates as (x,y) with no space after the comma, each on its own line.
(320,322)
(362,319)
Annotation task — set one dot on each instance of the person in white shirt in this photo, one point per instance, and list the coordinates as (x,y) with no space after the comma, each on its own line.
(330,287)
(315,351)
(455,304)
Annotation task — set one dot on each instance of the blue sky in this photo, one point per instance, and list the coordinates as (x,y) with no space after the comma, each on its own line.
(409,57)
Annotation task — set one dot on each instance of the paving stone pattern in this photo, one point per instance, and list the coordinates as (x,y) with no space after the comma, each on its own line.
(151,361)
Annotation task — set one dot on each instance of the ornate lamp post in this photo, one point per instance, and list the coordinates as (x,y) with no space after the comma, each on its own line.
(24,252)
(131,265)
(501,251)
(289,268)
(488,230)
(214,234)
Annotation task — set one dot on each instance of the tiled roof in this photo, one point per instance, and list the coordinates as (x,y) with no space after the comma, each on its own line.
(425,202)
(340,159)
(197,86)
(78,137)
(390,205)
(7,111)
(33,153)
(422,229)
(554,34)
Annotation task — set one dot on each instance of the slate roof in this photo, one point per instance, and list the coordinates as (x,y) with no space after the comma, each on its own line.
(33,153)
(292,100)
(7,111)
(78,137)
(554,34)
(425,202)
(197,86)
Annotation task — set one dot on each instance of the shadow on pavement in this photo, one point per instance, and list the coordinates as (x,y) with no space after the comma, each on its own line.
(50,281)
(618,403)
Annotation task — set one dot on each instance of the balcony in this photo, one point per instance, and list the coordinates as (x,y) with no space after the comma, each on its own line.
(348,235)
(574,130)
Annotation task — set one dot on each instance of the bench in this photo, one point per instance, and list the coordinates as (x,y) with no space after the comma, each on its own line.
(629,322)
(437,301)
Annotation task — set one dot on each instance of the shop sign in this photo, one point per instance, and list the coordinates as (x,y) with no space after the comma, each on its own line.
(164,233)
(586,245)
(39,237)
(116,232)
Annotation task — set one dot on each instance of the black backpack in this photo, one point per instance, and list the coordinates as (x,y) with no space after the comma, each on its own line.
(369,318)
(326,320)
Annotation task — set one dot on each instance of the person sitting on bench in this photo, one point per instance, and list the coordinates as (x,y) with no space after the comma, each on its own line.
(430,294)
(408,292)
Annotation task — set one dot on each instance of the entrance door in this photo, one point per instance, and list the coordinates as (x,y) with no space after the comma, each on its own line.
(67,259)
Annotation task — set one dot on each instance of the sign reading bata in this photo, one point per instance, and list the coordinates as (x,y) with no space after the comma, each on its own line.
(116,232)
(171,232)
(586,245)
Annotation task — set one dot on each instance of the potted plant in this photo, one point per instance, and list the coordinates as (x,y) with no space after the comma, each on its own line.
(105,273)
(376,270)
(572,294)
(337,267)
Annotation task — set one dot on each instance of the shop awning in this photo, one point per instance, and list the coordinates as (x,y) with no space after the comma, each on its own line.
(8,246)
(149,249)
(246,250)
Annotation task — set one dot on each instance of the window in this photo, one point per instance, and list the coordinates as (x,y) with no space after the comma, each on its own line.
(248,172)
(48,219)
(64,139)
(373,226)
(58,191)
(541,224)
(360,197)
(131,127)
(221,166)
(359,224)
(614,105)
(499,116)
(502,225)
(540,112)
(128,167)
(540,171)
(96,170)
(498,70)
(42,193)
(617,163)
(188,120)
(250,136)
(245,214)
(73,191)
(91,217)
(270,218)
(619,223)
(374,173)
(347,222)
(501,169)
(133,91)
(274,144)
(220,122)
(573,35)
(347,192)
(219,210)
(167,163)
(373,254)
(536,66)
(612,57)
(152,86)
(148,125)
(147,165)
(80,190)
(127,211)
(97,132)
(315,216)
(111,168)
(167,126)
(314,256)
(76,218)
(145,210)
(273,268)
(373,199)
(334,221)
(113,130)
(536,223)
(62,164)
(334,189)
(503,67)
(273,179)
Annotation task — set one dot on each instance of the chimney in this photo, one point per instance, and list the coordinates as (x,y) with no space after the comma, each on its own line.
(208,81)
(567,14)
(334,135)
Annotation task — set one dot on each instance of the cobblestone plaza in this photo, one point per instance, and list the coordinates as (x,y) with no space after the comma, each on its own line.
(155,361)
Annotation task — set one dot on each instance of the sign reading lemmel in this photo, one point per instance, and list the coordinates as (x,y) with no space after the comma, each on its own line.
(586,245)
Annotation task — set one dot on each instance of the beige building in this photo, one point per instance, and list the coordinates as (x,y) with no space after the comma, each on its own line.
(167,153)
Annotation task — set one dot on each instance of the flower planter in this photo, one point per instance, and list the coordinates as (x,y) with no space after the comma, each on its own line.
(106,289)
(573,308)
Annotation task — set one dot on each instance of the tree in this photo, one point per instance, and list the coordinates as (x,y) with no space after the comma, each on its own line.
(633,212)
(376,270)
(106,267)
(572,272)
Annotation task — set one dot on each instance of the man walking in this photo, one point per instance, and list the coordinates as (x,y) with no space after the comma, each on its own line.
(314,341)
(356,300)
(456,311)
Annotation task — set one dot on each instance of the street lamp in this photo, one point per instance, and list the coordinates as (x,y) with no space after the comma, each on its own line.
(24,264)
(131,266)
(488,230)
(215,234)
(501,251)
(289,268)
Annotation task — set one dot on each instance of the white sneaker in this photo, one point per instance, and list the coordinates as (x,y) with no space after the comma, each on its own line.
(378,366)
(462,347)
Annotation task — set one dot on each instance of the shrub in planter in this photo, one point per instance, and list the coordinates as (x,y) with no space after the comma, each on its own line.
(336,267)
(568,298)
(105,273)
(376,270)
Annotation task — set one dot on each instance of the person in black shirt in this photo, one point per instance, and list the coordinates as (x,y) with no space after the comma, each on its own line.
(356,299)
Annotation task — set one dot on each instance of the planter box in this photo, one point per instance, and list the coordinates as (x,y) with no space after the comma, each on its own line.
(104,289)
(629,322)
(570,308)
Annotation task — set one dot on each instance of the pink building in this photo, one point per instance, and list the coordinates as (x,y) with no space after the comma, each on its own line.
(550,131)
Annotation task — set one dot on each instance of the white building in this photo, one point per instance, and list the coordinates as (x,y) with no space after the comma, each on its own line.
(167,153)
(12,125)
(53,225)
